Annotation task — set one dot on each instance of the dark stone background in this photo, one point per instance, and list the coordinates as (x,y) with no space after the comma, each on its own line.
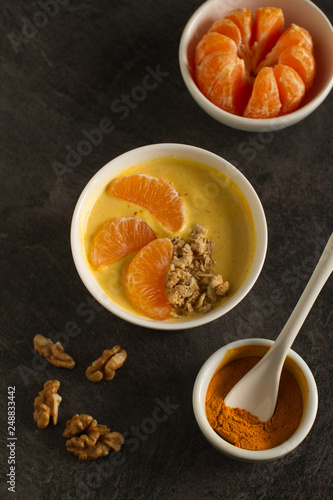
(64,78)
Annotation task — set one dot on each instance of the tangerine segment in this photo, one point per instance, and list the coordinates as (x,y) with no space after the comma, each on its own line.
(267,28)
(265,99)
(231,89)
(117,238)
(157,195)
(291,88)
(243,18)
(146,276)
(228,28)
(214,67)
(293,36)
(213,42)
(301,60)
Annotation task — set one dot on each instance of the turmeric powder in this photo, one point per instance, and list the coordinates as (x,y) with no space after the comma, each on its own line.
(240,427)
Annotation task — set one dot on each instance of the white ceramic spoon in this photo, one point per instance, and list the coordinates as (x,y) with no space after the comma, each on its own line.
(257,391)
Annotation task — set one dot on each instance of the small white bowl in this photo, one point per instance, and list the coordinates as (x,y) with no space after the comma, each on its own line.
(301,12)
(113,169)
(296,366)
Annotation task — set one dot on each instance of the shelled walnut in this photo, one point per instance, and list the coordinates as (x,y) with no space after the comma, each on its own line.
(106,365)
(88,440)
(47,404)
(53,353)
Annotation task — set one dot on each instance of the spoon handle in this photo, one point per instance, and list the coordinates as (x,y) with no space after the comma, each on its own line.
(257,391)
(318,279)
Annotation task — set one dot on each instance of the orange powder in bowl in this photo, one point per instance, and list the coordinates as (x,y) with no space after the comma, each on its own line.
(241,428)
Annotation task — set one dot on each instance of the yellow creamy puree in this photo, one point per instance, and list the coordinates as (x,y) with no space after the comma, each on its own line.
(210,198)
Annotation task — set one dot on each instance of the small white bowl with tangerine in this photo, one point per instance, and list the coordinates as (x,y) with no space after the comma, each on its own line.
(131,236)
(258,65)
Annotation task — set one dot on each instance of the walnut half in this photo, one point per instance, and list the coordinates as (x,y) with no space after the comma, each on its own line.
(47,404)
(106,365)
(88,440)
(53,353)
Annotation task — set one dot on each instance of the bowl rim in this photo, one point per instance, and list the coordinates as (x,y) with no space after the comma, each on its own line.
(198,401)
(241,122)
(133,157)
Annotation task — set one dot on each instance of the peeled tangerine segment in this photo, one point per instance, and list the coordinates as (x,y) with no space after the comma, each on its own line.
(145,279)
(293,36)
(265,98)
(211,67)
(157,195)
(267,28)
(243,18)
(291,88)
(213,42)
(231,90)
(215,68)
(117,238)
(301,60)
(228,28)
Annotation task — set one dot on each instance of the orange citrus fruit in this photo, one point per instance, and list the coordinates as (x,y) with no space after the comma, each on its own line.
(145,279)
(228,28)
(231,90)
(243,18)
(267,29)
(213,42)
(301,60)
(294,36)
(220,72)
(265,100)
(117,238)
(291,88)
(235,63)
(157,195)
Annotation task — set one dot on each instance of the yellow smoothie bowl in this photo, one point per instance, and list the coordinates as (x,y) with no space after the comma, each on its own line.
(215,194)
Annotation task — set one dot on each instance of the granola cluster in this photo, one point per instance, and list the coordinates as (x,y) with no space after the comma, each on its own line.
(89,440)
(191,284)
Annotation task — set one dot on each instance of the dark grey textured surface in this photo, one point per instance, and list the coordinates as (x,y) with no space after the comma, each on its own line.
(66,77)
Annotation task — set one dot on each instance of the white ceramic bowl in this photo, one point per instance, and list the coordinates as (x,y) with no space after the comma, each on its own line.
(114,169)
(301,12)
(298,368)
